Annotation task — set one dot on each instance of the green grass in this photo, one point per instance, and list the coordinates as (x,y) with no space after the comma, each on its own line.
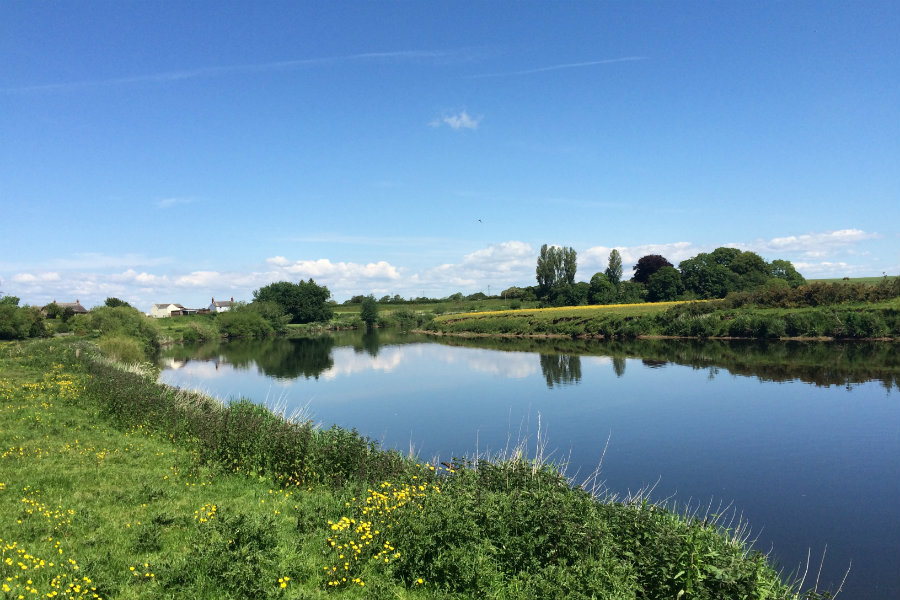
(113,486)
(850,280)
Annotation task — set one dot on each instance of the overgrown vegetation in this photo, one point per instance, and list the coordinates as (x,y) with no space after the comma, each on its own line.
(113,486)
(820,310)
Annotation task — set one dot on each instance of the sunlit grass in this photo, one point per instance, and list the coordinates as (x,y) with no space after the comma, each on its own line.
(104,493)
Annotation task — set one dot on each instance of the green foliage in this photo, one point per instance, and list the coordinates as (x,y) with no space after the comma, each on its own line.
(614,267)
(114,302)
(122,348)
(242,321)
(631,292)
(305,301)
(783,269)
(647,266)
(368,311)
(555,266)
(168,494)
(602,290)
(664,285)
(122,322)
(19,322)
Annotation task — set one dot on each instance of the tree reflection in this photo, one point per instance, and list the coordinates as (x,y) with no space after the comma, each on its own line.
(561,369)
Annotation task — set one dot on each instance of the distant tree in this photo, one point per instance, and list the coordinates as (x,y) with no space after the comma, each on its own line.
(546,269)
(614,268)
(305,301)
(113,302)
(555,266)
(355,299)
(569,266)
(647,266)
(631,292)
(783,269)
(602,291)
(368,311)
(53,310)
(664,285)
(706,275)
(724,256)
(752,268)
(456,297)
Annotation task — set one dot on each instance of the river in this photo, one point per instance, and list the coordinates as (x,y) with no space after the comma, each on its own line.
(799,440)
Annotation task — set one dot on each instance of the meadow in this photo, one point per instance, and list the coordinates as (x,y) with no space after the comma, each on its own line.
(113,486)
(685,319)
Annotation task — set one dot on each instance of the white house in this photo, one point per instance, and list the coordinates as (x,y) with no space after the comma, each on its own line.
(165,310)
(223,306)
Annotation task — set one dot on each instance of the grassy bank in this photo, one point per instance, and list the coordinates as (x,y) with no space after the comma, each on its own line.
(113,486)
(719,318)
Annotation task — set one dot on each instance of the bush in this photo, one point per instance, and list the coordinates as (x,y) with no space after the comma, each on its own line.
(18,323)
(122,349)
(241,321)
(123,321)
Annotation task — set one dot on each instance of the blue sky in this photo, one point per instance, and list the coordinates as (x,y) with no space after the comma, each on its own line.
(174,152)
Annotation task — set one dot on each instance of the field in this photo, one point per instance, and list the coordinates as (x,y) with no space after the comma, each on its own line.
(701,319)
(114,487)
(850,280)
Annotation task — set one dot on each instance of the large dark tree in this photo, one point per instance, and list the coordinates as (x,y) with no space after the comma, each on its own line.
(664,285)
(647,266)
(304,301)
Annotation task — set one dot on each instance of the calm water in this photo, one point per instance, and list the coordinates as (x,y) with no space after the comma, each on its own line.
(802,439)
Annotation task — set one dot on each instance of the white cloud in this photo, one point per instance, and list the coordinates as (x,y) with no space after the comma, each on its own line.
(595,259)
(459,121)
(497,266)
(324,268)
(811,245)
(39,278)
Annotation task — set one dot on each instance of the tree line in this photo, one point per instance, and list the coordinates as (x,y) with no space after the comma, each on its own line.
(655,279)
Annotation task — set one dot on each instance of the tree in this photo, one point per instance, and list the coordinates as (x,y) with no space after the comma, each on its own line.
(664,285)
(114,302)
(547,268)
(368,311)
(569,266)
(556,266)
(614,268)
(706,276)
(753,270)
(647,266)
(602,291)
(305,301)
(783,269)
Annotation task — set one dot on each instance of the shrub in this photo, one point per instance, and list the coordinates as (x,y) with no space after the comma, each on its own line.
(122,349)
(242,322)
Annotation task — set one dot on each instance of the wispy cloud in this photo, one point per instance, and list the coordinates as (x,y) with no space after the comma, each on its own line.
(560,67)
(220,71)
(458,121)
(170,202)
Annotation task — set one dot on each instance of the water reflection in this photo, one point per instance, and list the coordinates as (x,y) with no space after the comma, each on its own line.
(764,425)
(559,360)
(561,369)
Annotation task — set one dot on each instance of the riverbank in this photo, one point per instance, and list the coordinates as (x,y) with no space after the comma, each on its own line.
(718,319)
(152,492)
